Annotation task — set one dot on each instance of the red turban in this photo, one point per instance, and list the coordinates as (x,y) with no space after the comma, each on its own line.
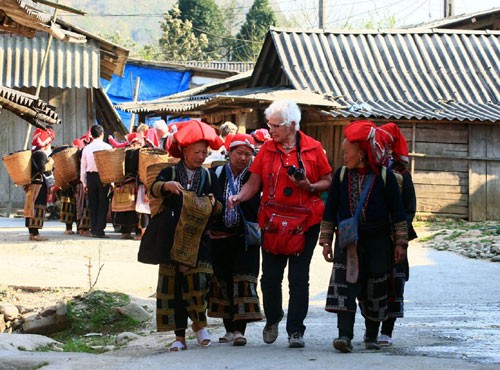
(190,132)
(234,140)
(371,140)
(397,141)
(42,138)
(261,135)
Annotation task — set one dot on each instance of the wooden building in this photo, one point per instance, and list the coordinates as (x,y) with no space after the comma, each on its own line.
(74,64)
(442,87)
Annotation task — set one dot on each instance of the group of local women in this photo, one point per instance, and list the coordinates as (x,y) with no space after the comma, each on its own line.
(201,237)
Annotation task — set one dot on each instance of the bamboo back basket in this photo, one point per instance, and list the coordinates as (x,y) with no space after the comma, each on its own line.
(147,157)
(110,165)
(19,167)
(66,166)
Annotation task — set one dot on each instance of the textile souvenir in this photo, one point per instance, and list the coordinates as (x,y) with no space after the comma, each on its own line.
(193,219)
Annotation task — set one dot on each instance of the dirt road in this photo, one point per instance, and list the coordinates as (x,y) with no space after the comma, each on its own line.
(451,320)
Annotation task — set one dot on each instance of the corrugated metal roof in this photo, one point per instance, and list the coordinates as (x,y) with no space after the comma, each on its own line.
(69,65)
(233,98)
(29,107)
(24,19)
(411,74)
(484,19)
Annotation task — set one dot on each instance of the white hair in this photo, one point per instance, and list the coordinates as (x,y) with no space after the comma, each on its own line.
(161,125)
(287,110)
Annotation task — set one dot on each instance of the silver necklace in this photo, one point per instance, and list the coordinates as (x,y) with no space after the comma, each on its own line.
(288,147)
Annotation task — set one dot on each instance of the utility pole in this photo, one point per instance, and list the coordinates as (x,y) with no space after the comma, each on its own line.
(321,14)
(449,8)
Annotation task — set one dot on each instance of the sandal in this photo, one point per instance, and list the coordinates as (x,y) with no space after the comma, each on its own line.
(177,346)
(239,340)
(203,338)
(227,338)
(38,238)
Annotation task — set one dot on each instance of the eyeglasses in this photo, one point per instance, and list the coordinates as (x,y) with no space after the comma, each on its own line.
(276,126)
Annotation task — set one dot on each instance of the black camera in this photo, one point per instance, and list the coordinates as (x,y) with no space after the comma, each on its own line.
(297,173)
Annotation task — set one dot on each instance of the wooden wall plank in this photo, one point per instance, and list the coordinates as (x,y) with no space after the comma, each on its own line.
(493,174)
(438,164)
(442,133)
(455,150)
(478,197)
(440,195)
(441,178)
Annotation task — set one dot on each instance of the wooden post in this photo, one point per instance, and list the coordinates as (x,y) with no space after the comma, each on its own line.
(40,75)
(321,14)
(136,95)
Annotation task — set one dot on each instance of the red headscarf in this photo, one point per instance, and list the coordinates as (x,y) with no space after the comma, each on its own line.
(398,143)
(371,139)
(42,138)
(261,135)
(190,132)
(234,140)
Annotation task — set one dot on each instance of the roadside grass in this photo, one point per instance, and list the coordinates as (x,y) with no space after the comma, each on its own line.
(93,324)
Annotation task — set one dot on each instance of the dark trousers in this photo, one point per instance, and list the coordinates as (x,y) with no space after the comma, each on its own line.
(273,267)
(345,324)
(97,194)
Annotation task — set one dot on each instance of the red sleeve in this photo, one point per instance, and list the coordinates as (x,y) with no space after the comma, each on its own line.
(256,166)
(116,144)
(324,167)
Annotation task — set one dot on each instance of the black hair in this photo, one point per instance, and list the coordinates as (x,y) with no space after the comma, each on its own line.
(96,131)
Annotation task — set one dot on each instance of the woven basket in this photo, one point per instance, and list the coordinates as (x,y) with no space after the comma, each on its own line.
(66,166)
(153,170)
(147,157)
(110,165)
(217,163)
(19,167)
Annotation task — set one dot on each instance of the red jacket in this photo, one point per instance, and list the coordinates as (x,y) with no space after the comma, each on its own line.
(273,171)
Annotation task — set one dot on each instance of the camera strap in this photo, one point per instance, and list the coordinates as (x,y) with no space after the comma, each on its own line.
(297,146)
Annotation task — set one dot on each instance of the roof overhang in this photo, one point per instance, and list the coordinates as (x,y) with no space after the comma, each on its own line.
(29,107)
(234,99)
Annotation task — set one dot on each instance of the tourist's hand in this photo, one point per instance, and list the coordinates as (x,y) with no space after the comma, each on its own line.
(212,199)
(399,254)
(233,201)
(304,184)
(328,252)
(173,186)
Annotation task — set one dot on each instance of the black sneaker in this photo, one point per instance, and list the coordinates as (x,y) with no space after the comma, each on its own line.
(342,344)
(372,344)
(296,340)
(270,333)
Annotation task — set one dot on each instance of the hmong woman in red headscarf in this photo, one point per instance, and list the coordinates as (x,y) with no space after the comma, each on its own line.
(362,269)
(35,204)
(182,288)
(398,153)
(233,291)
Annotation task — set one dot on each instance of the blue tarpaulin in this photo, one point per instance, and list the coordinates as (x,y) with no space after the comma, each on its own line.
(154,83)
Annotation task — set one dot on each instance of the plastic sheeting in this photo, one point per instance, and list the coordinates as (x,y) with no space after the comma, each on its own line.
(154,83)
